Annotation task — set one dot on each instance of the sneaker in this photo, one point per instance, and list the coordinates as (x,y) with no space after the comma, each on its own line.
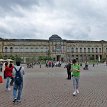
(14,100)
(19,101)
(77,91)
(74,93)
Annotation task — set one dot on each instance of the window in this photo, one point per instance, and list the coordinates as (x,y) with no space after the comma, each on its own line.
(76,49)
(96,50)
(100,50)
(92,49)
(80,49)
(11,49)
(106,49)
(89,50)
(16,48)
(72,49)
(72,56)
(6,49)
(36,48)
(84,49)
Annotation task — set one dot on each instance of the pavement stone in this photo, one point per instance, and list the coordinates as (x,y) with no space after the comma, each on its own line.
(48,87)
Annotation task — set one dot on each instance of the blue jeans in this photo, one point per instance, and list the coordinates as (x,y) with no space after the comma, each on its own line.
(17,91)
(76,82)
(8,82)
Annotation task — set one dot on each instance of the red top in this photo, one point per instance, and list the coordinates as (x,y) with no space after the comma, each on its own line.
(8,71)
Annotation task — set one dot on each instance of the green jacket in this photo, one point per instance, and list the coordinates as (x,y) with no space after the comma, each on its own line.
(76,73)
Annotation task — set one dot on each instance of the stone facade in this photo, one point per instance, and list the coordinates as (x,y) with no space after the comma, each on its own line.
(59,49)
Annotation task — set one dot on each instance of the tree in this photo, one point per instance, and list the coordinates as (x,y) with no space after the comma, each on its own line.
(49,53)
(18,58)
(1,56)
(12,57)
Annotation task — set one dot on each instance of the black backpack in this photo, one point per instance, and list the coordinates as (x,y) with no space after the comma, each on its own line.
(18,77)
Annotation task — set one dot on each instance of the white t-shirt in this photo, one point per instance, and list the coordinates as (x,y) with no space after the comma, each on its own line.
(18,67)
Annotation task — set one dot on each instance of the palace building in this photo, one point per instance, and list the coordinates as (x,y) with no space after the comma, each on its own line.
(56,47)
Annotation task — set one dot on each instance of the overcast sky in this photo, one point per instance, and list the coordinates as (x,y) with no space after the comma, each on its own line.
(39,19)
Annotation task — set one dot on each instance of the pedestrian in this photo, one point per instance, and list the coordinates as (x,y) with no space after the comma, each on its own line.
(93,64)
(12,78)
(40,64)
(68,66)
(18,72)
(1,73)
(75,76)
(8,75)
(5,64)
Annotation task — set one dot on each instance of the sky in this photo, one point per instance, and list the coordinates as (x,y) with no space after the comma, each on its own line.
(40,19)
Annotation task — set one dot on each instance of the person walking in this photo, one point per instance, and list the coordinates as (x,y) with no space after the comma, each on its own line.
(75,76)
(18,72)
(1,73)
(8,75)
(69,70)
(11,66)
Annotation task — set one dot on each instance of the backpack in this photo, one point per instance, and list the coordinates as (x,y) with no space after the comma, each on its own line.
(18,77)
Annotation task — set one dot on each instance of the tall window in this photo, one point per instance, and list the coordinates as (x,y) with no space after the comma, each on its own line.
(84,49)
(100,50)
(80,49)
(106,49)
(6,49)
(11,49)
(72,49)
(96,50)
(76,49)
(89,50)
(92,49)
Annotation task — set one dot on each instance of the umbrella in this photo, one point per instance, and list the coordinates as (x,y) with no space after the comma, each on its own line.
(9,60)
(2,60)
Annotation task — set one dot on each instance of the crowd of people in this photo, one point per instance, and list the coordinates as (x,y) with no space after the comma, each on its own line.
(53,64)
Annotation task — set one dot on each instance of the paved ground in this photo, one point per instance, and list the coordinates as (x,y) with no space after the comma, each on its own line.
(48,87)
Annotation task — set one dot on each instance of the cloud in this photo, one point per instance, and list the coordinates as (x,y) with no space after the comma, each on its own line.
(39,19)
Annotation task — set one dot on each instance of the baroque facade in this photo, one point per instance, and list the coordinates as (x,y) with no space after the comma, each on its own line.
(59,49)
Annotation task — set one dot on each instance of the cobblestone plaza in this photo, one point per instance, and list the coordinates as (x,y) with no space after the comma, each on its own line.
(48,87)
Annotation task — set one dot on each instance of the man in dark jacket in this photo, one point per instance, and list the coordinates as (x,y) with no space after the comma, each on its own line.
(68,66)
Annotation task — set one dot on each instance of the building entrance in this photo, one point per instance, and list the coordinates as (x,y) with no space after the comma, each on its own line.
(58,57)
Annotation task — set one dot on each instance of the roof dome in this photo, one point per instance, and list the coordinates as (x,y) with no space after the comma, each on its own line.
(55,38)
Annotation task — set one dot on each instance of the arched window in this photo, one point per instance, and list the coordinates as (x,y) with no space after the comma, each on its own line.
(80,49)
(76,49)
(11,49)
(89,50)
(72,50)
(106,49)
(6,49)
(92,49)
(100,50)
(96,50)
(84,49)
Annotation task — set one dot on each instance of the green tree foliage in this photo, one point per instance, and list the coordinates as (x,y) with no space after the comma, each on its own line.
(1,56)
(18,58)
(12,57)
(44,58)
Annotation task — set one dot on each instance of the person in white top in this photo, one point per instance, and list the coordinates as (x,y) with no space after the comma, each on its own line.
(18,72)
